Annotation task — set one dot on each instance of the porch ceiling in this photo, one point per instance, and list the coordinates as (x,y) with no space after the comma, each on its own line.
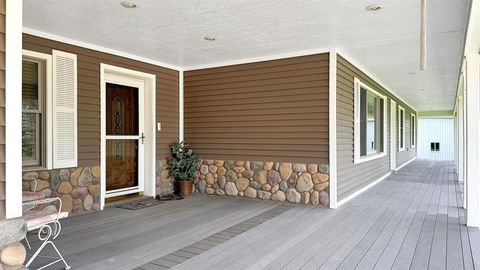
(385,42)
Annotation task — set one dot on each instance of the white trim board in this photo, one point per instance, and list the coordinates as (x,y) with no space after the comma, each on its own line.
(13,110)
(149,128)
(332,124)
(258,59)
(405,164)
(181,101)
(74,42)
(364,70)
(365,188)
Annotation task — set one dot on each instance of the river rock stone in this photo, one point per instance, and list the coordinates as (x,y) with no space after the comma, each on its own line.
(292,195)
(13,254)
(204,169)
(278,196)
(96,172)
(261,177)
(299,167)
(304,182)
(44,175)
(231,189)
(292,180)
(30,176)
(41,184)
(256,166)
(209,191)
(74,176)
(283,186)
(221,171)
(26,185)
(93,189)
(239,169)
(231,176)
(241,193)
(323,168)
(218,163)
(254,184)
(47,192)
(209,178)
(67,203)
(64,174)
(65,188)
(247,165)
(273,178)
(96,207)
(266,187)
(54,180)
(285,170)
(85,177)
(319,178)
(320,187)
(275,188)
(239,163)
(248,174)
(220,192)
(212,169)
(79,192)
(201,186)
(229,164)
(268,166)
(88,202)
(305,198)
(315,198)
(215,186)
(242,183)
(312,168)
(250,192)
(324,199)
(264,195)
(221,180)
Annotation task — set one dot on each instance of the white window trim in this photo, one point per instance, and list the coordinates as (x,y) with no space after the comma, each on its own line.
(48,148)
(401,149)
(413,134)
(357,158)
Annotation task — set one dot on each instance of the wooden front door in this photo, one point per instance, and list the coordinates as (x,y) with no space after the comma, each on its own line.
(124,137)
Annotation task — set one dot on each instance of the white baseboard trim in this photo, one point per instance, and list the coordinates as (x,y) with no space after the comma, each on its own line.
(405,164)
(365,188)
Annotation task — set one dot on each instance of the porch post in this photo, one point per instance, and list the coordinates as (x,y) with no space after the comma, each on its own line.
(472,99)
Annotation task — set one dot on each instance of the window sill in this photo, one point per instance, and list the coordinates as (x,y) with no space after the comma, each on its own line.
(33,168)
(370,158)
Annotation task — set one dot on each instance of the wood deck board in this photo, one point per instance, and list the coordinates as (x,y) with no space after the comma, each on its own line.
(412,220)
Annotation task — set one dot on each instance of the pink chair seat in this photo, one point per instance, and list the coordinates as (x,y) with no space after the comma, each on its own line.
(28,196)
(37,218)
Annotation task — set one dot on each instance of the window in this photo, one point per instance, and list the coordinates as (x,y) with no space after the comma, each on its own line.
(435,147)
(413,130)
(370,109)
(401,128)
(33,115)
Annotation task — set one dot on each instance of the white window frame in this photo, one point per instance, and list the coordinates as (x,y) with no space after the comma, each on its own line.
(357,157)
(46,143)
(401,133)
(413,133)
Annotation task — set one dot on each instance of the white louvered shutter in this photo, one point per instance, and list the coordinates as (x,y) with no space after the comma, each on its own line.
(64,109)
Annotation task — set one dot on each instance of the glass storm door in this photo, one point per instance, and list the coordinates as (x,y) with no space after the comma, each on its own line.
(124,137)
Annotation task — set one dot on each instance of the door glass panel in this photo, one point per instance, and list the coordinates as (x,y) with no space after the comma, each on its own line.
(122,110)
(122,164)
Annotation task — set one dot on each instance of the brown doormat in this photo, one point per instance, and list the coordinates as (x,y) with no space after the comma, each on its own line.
(138,204)
(170,197)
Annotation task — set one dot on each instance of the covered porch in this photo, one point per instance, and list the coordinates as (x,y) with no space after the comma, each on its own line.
(411,220)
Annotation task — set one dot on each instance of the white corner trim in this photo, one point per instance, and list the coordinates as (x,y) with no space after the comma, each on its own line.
(13,110)
(405,164)
(181,113)
(42,34)
(360,191)
(257,59)
(401,149)
(364,70)
(332,123)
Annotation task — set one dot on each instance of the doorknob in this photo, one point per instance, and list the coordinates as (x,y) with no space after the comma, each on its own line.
(142,137)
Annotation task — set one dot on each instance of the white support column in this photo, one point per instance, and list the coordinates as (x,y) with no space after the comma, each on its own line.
(181,118)
(332,116)
(460,139)
(13,111)
(472,99)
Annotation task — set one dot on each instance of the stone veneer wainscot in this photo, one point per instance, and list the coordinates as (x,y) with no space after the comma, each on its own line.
(278,181)
(78,188)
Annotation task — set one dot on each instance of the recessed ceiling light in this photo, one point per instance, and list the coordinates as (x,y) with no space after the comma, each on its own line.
(209,38)
(412,73)
(422,89)
(373,7)
(428,99)
(127,4)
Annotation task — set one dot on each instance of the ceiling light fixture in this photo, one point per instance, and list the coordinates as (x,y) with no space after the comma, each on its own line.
(127,4)
(373,7)
(209,38)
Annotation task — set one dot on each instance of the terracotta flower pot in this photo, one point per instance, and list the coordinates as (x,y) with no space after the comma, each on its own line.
(185,187)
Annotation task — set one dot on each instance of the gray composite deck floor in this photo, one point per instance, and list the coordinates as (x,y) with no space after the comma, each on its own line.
(411,220)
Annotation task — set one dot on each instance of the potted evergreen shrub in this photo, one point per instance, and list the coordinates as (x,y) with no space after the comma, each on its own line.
(182,166)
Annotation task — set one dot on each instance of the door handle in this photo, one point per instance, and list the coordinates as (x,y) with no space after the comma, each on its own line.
(142,138)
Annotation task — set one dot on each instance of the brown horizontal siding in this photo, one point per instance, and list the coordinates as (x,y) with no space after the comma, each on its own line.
(352,177)
(271,110)
(2,110)
(167,81)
